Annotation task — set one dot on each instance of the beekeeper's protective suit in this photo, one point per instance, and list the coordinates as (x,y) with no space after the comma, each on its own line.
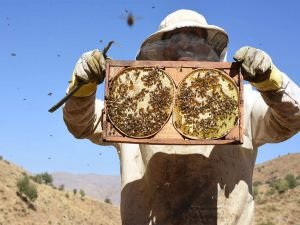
(186,185)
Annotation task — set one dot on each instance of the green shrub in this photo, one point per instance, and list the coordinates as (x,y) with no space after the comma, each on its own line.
(61,187)
(272,182)
(82,193)
(107,200)
(282,186)
(255,192)
(1,157)
(74,191)
(271,191)
(292,182)
(37,178)
(26,188)
(45,178)
(257,183)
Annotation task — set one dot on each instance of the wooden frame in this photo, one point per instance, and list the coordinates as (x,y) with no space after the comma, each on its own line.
(177,70)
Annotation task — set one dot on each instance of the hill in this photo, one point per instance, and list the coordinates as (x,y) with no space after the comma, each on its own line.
(52,206)
(272,207)
(276,203)
(95,186)
(276,189)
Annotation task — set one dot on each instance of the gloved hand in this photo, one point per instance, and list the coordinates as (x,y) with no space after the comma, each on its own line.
(90,69)
(257,67)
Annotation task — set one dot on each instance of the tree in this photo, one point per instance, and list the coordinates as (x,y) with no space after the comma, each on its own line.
(45,178)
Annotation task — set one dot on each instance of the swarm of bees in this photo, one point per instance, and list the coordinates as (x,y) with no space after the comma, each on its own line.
(206,105)
(140,101)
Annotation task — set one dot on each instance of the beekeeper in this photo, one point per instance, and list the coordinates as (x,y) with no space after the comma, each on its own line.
(207,184)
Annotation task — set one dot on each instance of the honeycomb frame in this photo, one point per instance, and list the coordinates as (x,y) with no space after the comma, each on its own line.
(168,134)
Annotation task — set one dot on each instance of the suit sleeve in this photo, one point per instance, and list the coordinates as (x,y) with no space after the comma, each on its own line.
(83,118)
(275,115)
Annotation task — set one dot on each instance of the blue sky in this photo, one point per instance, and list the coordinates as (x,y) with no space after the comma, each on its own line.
(40,41)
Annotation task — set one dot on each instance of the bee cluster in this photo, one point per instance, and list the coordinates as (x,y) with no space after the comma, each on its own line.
(140,101)
(206,105)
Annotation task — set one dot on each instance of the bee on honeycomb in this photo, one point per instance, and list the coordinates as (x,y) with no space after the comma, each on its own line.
(140,101)
(206,105)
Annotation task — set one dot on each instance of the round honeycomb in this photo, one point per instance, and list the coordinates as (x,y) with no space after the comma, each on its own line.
(140,101)
(206,105)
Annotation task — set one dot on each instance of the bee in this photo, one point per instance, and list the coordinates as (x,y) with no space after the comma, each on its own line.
(130,19)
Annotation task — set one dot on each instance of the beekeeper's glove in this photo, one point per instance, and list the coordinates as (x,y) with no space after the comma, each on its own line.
(90,68)
(258,69)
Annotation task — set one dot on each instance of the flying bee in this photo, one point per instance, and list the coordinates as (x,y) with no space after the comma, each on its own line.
(130,18)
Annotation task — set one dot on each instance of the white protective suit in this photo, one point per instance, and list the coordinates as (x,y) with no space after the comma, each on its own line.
(189,185)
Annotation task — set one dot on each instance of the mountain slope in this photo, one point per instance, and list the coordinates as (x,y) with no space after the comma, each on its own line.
(95,186)
(275,203)
(271,207)
(52,206)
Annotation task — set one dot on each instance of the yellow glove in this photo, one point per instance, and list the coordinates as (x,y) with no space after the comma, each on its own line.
(258,69)
(90,69)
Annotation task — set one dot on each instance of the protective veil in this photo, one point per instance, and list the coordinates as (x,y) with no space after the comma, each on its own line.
(179,47)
